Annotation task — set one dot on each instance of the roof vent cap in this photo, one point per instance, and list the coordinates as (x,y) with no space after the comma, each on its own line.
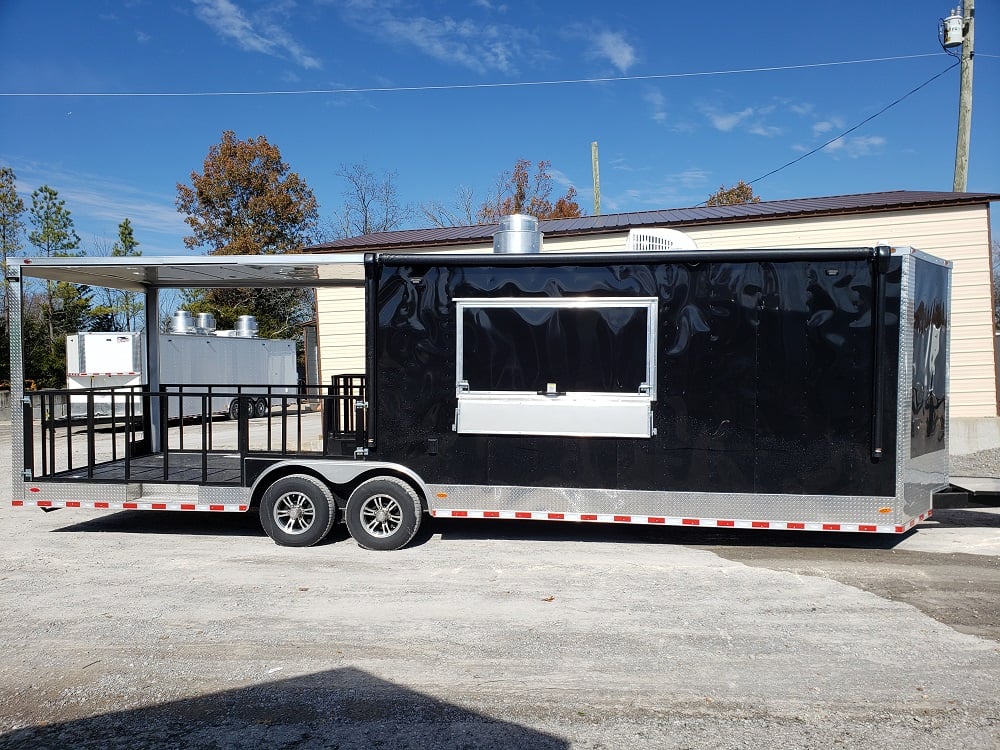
(658,238)
(518,233)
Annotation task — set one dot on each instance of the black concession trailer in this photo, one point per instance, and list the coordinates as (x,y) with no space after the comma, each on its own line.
(782,389)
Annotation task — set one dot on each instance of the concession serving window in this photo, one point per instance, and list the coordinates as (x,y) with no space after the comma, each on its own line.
(578,366)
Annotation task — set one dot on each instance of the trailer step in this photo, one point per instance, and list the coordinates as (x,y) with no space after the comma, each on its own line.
(970,491)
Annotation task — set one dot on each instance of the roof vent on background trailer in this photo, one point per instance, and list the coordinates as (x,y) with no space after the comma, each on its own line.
(518,233)
(246,327)
(182,322)
(205,323)
(658,238)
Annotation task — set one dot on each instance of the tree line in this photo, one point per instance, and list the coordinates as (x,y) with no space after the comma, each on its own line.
(246,201)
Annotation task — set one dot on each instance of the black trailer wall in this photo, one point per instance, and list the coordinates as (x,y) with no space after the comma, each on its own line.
(767,379)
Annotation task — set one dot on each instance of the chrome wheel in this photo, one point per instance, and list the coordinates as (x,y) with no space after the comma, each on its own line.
(383,513)
(294,513)
(381,516)
(297,510)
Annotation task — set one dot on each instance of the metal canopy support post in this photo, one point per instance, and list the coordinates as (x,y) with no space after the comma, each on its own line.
(20,419)
(152,315)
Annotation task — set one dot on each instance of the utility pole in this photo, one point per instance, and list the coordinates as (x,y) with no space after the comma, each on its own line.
(596,167)
(965,98)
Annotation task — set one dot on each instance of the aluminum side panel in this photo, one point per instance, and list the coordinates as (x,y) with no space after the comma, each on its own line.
(923,387)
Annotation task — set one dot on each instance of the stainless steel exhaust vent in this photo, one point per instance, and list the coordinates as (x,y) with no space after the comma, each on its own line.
(205,323)
(246,327)
(182,322)
(518,233)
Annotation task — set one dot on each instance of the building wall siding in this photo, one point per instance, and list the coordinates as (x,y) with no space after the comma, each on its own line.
(341,325)
(958,234)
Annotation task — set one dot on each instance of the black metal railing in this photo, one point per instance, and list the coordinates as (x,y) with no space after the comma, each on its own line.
(183,433)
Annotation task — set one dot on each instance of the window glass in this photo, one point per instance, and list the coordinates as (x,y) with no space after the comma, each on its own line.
(601,349)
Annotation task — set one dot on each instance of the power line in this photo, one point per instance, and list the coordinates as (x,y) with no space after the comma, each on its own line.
(868,119)
(460,86)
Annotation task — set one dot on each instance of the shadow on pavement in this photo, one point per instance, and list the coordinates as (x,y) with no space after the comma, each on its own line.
(248,525)
(647,534)
(966,518)
(344,708)
(169,522)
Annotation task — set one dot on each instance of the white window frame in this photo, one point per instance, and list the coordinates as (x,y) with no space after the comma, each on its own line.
(571,414)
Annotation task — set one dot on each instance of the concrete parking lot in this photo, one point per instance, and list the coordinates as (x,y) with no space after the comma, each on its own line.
(131,629)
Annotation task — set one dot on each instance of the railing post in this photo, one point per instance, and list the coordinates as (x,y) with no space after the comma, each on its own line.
(28,432)
(91,444)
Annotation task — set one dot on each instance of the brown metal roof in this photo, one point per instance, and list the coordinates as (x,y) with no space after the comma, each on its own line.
(671,217)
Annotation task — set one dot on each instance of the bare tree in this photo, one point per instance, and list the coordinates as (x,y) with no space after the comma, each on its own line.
(461,213)
(371,203)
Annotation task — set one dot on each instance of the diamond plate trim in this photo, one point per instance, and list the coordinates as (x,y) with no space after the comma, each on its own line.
(134,496)
(670,521)
(598,503)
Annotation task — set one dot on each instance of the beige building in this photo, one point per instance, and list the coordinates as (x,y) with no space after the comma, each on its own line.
(953,226)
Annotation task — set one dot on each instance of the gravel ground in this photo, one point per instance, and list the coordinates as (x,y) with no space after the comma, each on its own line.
(980,464)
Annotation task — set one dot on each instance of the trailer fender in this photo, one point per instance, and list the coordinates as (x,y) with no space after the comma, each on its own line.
(343,473)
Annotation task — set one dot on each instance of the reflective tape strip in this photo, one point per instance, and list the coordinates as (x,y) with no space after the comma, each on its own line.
(98,505)
(726,523)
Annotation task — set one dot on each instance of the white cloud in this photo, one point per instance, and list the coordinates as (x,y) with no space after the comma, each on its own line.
(683,188)
(100,202)
(768,131)
(495,7)
(142,37)
(726,121)
(469,42)
(259,35)
(602,44)
(611,45)
(823,127)
(657,105)
(461,42)
(855,148)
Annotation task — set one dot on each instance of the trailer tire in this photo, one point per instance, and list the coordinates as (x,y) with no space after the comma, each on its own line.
(383,513)
(234,409)
(260,408)
(297,511)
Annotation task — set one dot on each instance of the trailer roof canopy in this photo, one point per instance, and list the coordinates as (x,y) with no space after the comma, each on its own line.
(329,270)
(209,271)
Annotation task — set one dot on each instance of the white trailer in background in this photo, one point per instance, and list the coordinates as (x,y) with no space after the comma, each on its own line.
(111,360)
(262,367)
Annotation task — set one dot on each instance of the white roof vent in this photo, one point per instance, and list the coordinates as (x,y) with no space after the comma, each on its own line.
(658,238)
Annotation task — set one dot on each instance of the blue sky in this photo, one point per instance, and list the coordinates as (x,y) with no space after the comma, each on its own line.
(450,94)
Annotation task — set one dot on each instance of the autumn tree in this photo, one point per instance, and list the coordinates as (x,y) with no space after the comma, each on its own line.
(247,201)
(11,243)
(520,192)
(739,193)
(118,309)
(64,308)
(371,203)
